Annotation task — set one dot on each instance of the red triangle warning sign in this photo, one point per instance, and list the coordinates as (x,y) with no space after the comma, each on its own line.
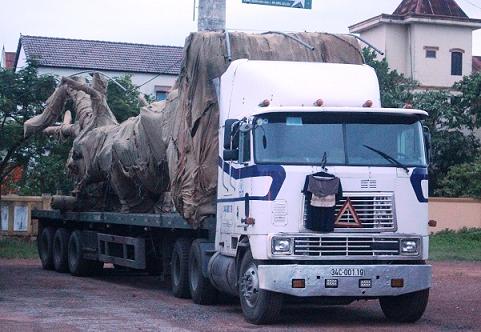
(352,220)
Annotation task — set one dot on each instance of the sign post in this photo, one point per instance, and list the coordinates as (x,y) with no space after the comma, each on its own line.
(303,4)
(211,15)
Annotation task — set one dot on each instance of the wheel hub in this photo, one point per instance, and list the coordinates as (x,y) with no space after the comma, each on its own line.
(250,285)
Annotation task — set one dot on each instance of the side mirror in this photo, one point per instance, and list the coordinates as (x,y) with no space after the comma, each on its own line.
(231,134)
(427,143)
(231,155)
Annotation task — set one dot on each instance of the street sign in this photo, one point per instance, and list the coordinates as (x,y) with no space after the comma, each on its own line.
(304,4)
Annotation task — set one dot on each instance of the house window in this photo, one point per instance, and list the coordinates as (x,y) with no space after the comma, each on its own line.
(431,52)
(160,95)
(457,62)
(161,92)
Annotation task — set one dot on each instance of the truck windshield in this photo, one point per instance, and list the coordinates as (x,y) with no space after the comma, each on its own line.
(364,139)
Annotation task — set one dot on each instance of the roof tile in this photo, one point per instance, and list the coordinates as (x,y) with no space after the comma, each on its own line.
(447,8)
(102,55)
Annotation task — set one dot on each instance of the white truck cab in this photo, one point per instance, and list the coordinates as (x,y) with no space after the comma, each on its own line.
(283,121)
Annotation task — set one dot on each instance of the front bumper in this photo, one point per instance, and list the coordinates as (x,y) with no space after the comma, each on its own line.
(278,278)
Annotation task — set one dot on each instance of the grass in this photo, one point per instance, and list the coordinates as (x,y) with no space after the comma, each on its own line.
(11,248)
(464,245)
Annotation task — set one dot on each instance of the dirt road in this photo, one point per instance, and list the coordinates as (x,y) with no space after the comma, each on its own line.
(32,299)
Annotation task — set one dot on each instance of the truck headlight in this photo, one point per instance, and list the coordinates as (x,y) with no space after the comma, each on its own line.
(410,247)
(281,245)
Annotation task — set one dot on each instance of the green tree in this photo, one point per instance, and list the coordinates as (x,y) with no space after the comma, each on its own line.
(462,181)
(22,95)
(453,142)
(46,173)
(123,103)
(396,89)
(468,103)
(460,176)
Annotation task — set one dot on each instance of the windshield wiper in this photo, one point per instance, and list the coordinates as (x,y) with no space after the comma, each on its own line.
(388,158)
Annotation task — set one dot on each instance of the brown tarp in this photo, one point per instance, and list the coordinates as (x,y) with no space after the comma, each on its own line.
(205,58)
(169,152)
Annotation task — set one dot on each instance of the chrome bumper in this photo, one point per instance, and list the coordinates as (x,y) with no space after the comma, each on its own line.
(278,278)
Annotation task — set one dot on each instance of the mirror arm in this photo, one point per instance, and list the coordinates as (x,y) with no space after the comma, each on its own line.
(230,175)
(223,176)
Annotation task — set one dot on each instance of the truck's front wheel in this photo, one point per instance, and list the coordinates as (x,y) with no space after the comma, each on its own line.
(406,308)
(258,306)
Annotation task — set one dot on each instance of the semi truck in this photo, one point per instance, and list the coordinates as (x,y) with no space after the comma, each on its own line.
(280,124)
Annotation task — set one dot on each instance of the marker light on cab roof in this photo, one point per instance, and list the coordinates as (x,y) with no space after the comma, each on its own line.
(319,102)
(368,104)
(265,103)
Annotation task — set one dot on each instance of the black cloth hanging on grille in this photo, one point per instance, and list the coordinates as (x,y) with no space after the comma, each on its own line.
(320,219)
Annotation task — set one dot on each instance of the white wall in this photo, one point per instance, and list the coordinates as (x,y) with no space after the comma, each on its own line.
(376,36)
(137,78)
(404,47)
(397,53)
(437,72)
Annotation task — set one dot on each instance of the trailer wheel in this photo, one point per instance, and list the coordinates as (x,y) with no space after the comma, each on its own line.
(201,289)
(60,250)
(258,306)
(77,264)
(45,247)
(179,268)
(406,308)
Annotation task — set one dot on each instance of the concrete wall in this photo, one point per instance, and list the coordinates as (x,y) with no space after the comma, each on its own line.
(15,214)
(454,213)
(376,36)
(397,48)
(437,72)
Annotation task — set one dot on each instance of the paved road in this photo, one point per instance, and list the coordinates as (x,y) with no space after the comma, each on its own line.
(32,299)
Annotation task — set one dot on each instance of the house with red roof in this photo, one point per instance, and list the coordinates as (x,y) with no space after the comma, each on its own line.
(427,40)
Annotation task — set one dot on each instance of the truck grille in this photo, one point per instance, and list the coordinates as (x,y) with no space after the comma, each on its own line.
(375,212)
(345,246)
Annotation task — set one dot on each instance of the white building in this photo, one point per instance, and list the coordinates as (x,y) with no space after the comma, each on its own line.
(427,40)
(154,68)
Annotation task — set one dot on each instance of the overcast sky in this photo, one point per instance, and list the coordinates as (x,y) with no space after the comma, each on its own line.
(168,22)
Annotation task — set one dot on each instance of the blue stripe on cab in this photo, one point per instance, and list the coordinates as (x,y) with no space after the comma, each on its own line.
(276,172)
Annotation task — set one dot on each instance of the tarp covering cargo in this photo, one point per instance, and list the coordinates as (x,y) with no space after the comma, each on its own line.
(168,154)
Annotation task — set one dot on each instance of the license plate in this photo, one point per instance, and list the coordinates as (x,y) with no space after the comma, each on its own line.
(347,272)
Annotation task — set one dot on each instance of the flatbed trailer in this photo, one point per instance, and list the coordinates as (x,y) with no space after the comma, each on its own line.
(138,241)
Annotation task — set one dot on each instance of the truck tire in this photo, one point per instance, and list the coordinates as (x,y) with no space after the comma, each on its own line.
(45,247)
(406,308)
(179,268)
(60,250)
(258,306)
(77,264)
(201,289)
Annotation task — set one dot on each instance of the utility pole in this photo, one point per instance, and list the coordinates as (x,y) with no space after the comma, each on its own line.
(211,15)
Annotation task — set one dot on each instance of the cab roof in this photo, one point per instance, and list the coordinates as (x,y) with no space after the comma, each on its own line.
(375,110)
